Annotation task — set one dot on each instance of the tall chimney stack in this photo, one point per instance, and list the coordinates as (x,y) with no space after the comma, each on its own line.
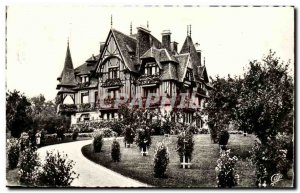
(174,47)
(166,39)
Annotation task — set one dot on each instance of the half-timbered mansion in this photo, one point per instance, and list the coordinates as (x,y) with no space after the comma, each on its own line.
(137,64)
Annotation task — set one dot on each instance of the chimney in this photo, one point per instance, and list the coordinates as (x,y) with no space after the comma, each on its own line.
(174,47)
(166,39)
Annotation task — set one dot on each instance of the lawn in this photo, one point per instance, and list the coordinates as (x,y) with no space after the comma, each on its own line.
(201,174)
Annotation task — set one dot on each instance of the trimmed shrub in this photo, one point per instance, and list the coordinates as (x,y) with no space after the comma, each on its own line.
(224,137)
(75,134)
(98,142)
(185,145)
(60,133)
(115,151)
(43,138)
(57,171)
(13,152)
(225,171)
(29,166)
(161,161)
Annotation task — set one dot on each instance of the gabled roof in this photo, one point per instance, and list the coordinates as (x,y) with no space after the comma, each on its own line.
(167,56)
(88,66)
(169,72)
(203,73)
(160,55)
(188,47)
(183,65)
(67,77)
(127,46)
(153,53)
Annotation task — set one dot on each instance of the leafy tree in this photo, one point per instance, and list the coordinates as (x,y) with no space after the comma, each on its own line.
(220,107)
(266,98)
(45,117)
(17,113)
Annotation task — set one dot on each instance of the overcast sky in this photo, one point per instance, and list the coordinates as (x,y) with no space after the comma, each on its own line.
(229,37)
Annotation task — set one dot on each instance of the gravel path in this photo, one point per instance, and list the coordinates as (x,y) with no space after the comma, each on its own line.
(90,173)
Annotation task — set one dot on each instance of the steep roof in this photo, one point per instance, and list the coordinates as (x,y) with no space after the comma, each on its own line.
(203,73)
(88,66)
(167,56)
(183,64)
(160,55)
(169,72)
(127,46)
(67,77)
(188,47)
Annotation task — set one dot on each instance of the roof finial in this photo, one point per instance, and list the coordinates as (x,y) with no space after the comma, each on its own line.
(111,21)
(130,28)
(69,35)
(191,30)
(187,30)
(204,60)
(147,24)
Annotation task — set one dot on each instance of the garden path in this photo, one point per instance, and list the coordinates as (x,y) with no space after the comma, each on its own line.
(90,173)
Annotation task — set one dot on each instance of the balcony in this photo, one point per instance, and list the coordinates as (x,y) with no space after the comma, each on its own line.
(109,103)
(76,108)
(148,80)
(83,85)
(116,82)
(67,108)
(86,107)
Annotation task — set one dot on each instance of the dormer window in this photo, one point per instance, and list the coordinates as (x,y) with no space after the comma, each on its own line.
(84,79)
(151,69)
(189,75)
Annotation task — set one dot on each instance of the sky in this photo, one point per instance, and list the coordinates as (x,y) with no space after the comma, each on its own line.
(229,37)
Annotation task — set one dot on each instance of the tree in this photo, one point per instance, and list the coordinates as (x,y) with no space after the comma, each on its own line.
(45,117)
(265,107)
(17,113)
(220,107)
(266,98)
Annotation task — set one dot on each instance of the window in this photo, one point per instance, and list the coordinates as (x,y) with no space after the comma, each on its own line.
(151,69)
(146,91)
(170,92)
(112,93)
(189,75)
(85,97)
(113,73)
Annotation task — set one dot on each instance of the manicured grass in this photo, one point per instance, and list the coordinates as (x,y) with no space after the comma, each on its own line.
(201,174)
